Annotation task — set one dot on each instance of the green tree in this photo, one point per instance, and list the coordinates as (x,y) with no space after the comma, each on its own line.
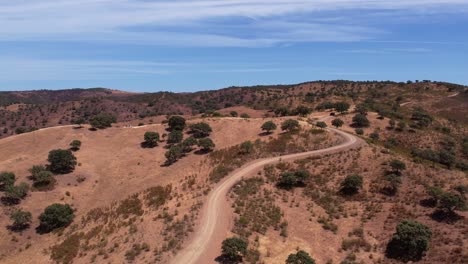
(43,178)
(36,169)
(410,241)
(303,110)
(374,135)
(234,114)
(176,123)
(80,121)
(20,219)
(55,216)
(246,147)
(401,125)
(175,136)
(151,139)
(359,131)
(351,184)
(101,121)
(188,143)
(6,179)
(200,130)
(268,126)
(342,107)
(75,145)
(234,248)
(290,125)
(61,161)
(206,144)
(321,124)
(173,154)
(446,158)
(13,194)
(337,122)
(360,120)
(245,115)
(301,257)
(290,179)
(397,166)
(391,124)
(452,201)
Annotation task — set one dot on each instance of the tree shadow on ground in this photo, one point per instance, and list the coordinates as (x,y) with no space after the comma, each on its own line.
(225,260)
(444,216)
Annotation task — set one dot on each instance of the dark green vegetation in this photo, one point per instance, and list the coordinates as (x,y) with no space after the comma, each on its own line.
(102,121)
(75,145)
(20,220)
(61,161)
(234,249)
(151,139)
(351,184)
(410,241)
(301,257)
(55,216)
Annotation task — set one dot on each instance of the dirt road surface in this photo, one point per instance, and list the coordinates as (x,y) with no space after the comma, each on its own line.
(215,217)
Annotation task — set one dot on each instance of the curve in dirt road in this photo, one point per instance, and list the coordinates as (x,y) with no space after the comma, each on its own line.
(214,221)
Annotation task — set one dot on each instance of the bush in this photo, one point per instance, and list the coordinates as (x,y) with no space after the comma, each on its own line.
(397,166)
(321,124)
(175,136)
(268,126)
(21,219)
(337,122)
(409,242)
(102,121)
(234,248)
(36,169)
(289,179)
(290,125)
(342,107)
(246,147)
(359,131)
(301,257)
(233,113)
(200,130)
(7,179)
(351,184)
(452,201)
(360,120)
(176,123)
(151,139)
(61,161)
(13,194)
(206,144)
(55,216)
(75,145)
(188,143)
(374,136)
(43,178)
(173,154)
(303,110)
(244,115)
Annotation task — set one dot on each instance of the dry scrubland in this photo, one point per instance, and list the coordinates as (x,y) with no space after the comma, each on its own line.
(131,208)
(128,206)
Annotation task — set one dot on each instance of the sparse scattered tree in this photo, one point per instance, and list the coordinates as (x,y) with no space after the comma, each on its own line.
(102,121)
(301,257)
(6,179)
(206,144)
(80,121)
(374,135)
(43,178)
(410,241)
(36,169)
(290,125)
(321,124)
(151,139)
(246,147)
(13,194)
(234,114)
(234,248)
(342,107)
(20,219)
(245,115)
(337,122)
(351,184)
(391,124)
(290,179)
(61,161)
(397,166)
(176,123)
(401,125)
(175,136)
(359,131)
(173,154)
(451,201)
(360,120)
(75,145)
(303,110)
(200,130)
(188,143)
(56,216)
(268,126)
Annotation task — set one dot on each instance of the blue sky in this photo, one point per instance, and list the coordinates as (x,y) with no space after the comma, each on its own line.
(180,45)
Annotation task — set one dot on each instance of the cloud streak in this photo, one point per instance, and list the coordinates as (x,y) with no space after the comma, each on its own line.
(200,22)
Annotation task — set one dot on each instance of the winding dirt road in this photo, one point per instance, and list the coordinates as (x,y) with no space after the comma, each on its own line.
(216,213)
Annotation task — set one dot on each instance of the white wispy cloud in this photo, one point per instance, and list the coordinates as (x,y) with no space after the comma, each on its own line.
(199,22)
